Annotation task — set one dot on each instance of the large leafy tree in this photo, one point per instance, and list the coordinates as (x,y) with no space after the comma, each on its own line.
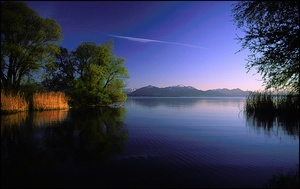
(272,35)
(60,74)
(92,74)
(27,40)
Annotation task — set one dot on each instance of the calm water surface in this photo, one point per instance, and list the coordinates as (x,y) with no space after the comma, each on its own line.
(150,142)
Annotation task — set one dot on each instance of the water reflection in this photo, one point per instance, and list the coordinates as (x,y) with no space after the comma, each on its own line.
(101,132)
(185,102)
(34,145)
(200,142)
(274,125)
(200,133)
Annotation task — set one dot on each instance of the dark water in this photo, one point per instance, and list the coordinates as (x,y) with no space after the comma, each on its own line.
(150,142)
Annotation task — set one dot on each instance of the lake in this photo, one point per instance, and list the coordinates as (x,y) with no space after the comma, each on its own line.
(150,142)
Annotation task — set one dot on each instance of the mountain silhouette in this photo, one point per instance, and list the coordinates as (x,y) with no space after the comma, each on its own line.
(185,91)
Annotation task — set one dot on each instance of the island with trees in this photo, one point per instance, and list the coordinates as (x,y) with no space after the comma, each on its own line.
(91,75)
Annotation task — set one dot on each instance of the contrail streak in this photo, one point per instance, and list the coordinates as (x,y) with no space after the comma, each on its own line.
(143,40)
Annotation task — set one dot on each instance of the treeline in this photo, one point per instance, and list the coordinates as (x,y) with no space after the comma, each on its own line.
(91,75)
(34,64)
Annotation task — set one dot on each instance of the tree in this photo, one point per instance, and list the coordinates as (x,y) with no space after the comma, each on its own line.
(272,35)
(60,74)
(101,75)
(26,41)
(83,55)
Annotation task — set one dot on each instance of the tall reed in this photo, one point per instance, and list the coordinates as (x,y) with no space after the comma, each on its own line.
(50,100)
(268,103)
(266,110)
(13,102)
(260,102)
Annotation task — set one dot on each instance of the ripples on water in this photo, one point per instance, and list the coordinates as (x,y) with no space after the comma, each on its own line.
(151,142)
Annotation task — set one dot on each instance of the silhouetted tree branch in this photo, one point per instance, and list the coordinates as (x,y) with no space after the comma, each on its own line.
(272,35)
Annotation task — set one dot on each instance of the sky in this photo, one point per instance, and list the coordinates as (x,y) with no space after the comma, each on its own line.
(165,43)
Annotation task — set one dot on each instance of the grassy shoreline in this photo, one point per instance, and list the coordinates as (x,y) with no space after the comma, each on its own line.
(12,103)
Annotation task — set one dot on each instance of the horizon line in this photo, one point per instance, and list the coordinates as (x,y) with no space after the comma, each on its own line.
(194,88)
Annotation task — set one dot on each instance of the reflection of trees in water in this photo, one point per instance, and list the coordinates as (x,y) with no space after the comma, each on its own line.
(22,157)
(274,124)
(100,132)
(46,118)
(30,152)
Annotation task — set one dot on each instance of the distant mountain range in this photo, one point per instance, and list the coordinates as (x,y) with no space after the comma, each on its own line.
(183,91)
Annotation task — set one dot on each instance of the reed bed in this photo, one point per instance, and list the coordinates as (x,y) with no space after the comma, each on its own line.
(268,103)
(50,101)
(13,103)
(266,110)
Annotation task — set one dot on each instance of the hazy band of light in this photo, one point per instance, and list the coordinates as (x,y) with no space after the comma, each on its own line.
(143,40)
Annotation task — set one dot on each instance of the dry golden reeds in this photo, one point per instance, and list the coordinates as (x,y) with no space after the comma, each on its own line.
(49,101)
(40,101)
(13,103)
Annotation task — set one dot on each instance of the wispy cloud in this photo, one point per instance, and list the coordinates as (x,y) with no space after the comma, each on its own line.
(144,40)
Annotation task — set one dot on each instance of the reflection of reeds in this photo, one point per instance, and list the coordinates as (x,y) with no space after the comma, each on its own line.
(13,119)
(265,110)
(50,100)
(288,180)
(39,118)
(13,103)
(49,117)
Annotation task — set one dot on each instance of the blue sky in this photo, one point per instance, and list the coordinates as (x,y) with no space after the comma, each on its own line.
(165,43)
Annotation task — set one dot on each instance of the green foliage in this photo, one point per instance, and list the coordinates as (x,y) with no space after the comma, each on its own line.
(30,86)
(60,74)
(100,76)
(27,40)
(91,74)
(272,35)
